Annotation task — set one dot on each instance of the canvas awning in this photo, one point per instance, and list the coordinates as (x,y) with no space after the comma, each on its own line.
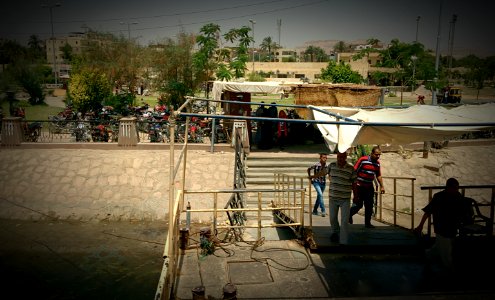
(400,125)
(267,87)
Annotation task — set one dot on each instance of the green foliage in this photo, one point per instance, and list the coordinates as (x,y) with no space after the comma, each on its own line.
(340,73)
(206,59)
(359,151)
(121,102)
(88,91)
(28,76)
(67,52)
(314,53)
(174,93)
(223,73)
(255,77)
(268,46)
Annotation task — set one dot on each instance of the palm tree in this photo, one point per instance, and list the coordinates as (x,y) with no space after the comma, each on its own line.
(373,42)
(267,45)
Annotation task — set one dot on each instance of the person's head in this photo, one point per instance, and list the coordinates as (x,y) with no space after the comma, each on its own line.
(376,152)
(341,159)
(323,157)
(452,185)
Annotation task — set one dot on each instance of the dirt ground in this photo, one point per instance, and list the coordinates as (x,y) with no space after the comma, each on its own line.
(81,260)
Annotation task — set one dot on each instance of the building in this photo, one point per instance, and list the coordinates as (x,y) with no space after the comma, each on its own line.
(55,58)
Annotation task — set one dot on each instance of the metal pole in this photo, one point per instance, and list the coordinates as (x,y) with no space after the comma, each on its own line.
(417,27)
(50,8)
(414,57)
(437,57)
(252,25)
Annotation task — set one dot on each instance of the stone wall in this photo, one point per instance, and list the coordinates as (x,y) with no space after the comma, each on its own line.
(95,184)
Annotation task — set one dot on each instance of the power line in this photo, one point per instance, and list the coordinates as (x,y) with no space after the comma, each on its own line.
(202,22)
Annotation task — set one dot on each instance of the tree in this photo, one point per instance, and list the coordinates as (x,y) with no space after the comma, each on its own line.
(88,90)
(316,54)
(36,49)
(340,47)
(268,46)
(67,52)
(373,42)
(340,73)
(28,76)
(207,58)
(238,64)
(173,69)
(116,57)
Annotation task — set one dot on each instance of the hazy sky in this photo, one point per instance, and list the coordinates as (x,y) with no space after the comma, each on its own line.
(301,20)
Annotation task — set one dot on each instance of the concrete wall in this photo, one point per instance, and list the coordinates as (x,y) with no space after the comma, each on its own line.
(96,184)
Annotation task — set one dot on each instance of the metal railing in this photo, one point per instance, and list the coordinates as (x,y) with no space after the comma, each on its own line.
(387,202)
(126,131)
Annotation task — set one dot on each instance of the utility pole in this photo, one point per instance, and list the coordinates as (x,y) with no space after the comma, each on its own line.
(252,26)
(129,28)
(414,57)
(50,7)
(451,40)
(417,27)
(437,57)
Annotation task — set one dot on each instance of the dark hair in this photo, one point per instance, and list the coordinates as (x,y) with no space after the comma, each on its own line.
(452,182)
(375,148)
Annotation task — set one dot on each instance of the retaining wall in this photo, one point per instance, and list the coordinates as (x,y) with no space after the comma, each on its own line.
(100,184)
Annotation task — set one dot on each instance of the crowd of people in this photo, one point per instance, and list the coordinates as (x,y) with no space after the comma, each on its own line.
(270,134)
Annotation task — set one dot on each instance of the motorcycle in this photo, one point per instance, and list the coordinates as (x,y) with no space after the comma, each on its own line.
(81,132)
(100,133)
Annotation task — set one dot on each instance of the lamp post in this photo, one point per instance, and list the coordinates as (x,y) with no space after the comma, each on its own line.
(129,28)
(50,7)
(414,57)
(437,57)
(252,26)
(417,27)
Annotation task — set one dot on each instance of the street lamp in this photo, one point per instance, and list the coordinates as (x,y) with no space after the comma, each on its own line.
(129,28)
(414,57)
(252,26)
(50,7)
(417,26)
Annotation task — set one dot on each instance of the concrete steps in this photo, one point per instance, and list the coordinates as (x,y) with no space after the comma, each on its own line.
(260,170)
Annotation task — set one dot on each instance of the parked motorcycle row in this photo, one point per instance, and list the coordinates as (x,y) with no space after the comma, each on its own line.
(152,126)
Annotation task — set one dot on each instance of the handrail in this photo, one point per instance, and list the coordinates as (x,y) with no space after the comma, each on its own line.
(259,209)
(395,194)
(281,179)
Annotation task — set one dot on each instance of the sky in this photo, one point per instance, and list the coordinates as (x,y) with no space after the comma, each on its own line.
(301,20)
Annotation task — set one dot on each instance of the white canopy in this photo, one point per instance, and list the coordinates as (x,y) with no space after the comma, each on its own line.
(383,125)
(268,87)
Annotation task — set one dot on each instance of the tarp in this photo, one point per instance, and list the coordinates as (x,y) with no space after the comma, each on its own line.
(400,126)
(267,87)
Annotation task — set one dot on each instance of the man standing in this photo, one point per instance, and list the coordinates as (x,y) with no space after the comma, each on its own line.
(342,183)
(447,208)
(367,168)
(318,181)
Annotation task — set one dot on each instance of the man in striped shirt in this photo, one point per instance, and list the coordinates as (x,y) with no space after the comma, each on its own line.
(367,168)
(318,181)
(342,183)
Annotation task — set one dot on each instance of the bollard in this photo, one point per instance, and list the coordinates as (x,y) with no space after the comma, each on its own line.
(184,239)
(229,292)
(188,215)
(198,293)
